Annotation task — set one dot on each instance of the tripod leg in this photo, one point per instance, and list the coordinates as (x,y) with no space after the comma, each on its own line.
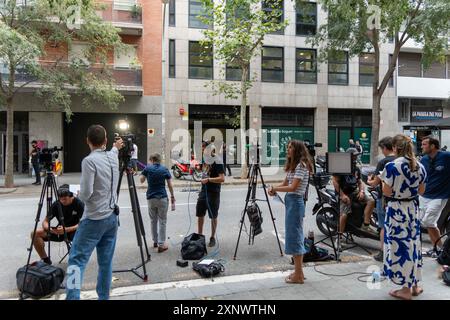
(136,220)
(243,217)
(270,210)
(30,249)
(141,222)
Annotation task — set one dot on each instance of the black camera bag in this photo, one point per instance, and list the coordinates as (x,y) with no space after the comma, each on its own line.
(41,280)
(208,271)
(193,247)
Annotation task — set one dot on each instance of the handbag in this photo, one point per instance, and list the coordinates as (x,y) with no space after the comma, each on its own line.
(193,247)
(41,279)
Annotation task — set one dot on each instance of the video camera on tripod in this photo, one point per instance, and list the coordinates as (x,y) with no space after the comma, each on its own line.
(48,156)
(311,147)
(128,148)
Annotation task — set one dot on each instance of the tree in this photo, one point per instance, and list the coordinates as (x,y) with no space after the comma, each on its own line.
(360,26)
(240,27)
(26,28)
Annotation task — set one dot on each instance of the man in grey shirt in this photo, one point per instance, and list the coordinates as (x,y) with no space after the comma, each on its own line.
(98,226)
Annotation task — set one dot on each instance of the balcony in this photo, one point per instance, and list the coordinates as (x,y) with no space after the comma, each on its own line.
(128,80)
(123,15)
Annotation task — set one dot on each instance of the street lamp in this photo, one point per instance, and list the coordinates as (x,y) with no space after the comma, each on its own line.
(123,125)
(163,84)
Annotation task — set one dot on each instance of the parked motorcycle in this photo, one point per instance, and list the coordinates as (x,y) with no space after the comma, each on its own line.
(183,168)
(326,209)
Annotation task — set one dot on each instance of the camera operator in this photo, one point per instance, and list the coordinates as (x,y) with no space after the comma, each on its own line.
(351,188)
(209,196)
(385,145)
(98,226)
(34,154)
(72,209)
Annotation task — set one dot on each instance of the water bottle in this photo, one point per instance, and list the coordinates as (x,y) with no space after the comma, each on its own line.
(172,200)
(311,235)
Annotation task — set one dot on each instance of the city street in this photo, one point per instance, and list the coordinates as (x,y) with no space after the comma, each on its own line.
(18,213)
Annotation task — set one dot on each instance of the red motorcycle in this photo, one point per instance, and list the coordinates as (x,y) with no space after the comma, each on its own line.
(183,168)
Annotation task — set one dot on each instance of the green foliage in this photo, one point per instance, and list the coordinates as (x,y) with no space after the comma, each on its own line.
(26,30)
(238,34)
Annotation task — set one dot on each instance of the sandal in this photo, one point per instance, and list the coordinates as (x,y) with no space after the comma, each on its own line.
(396,294)
(288,279)
(417,292)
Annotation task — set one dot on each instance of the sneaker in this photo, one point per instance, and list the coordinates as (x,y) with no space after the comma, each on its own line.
(379,256)
(212,242)
(162,248)
(47,261)
(432,253)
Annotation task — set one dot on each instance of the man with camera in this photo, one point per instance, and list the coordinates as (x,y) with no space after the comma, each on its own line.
(34,154)
(351,188)
(98,226)
(72,210)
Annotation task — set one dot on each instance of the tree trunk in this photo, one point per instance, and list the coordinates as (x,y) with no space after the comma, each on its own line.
(244,169)
(9,172)
(376,108)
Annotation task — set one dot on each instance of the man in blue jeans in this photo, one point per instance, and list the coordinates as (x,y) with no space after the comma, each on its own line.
(98,226)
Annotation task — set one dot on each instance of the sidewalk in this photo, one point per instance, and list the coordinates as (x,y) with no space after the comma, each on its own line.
(23,184)
(271,286)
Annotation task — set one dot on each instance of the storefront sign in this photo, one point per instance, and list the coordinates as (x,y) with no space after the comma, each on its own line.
(421,115)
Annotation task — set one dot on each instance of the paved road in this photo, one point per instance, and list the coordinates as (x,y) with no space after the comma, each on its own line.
(17,220)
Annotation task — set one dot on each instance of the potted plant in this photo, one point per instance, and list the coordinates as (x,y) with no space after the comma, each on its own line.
(136,12)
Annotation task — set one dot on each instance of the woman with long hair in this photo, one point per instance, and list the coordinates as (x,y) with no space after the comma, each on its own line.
(298,168)
(403,180)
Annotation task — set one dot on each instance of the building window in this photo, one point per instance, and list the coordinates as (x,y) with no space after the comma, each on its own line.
(270,7)
(196,10)
(172,13)
(403,110)
(126,58)
(272,64)
(391,80)
(366,69)
(172,58)
(234,73)
(306,70)
(200,61)
(436,70)
(409,64)
(77,53)
(306,18)
(338,68)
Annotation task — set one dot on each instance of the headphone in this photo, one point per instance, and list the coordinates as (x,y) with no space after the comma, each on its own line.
(64,191)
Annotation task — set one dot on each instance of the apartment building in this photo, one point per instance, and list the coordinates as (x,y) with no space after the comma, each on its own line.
(423,94)
(137,74)
(293,94)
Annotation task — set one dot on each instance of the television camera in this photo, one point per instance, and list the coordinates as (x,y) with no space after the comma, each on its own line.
(48,156)
(128,148)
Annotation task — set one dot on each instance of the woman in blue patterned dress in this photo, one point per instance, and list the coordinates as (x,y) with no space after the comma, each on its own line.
(403,180)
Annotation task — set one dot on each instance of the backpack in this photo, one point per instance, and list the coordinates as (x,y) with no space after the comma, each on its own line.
(444,256)
(208,270)
(193,247)
(41,280)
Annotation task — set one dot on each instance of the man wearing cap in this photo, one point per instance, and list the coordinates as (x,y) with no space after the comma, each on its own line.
(72,210)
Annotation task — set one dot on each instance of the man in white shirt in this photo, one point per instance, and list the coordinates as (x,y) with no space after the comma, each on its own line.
(134,159)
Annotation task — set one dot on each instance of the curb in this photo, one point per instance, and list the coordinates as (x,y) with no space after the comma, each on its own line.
(7,190)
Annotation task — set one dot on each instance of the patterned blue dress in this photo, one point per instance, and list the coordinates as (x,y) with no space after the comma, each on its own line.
(402,247)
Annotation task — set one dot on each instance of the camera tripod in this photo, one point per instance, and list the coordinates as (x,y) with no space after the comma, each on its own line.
(49,188)
(138,222)
(254,172)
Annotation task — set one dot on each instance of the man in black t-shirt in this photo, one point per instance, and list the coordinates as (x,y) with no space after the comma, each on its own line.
(72,209)
(209,196)
(385,145)
(34,154)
